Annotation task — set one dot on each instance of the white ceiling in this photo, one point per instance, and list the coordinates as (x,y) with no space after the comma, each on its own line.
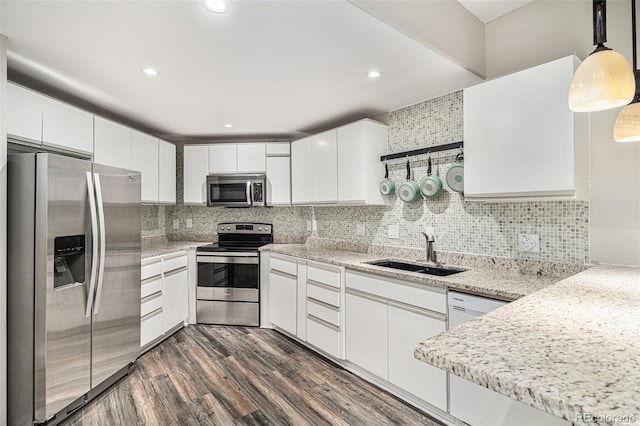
(488,10)
(271,68)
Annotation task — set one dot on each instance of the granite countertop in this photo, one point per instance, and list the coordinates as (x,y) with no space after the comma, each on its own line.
(571,349)
(168,247)
(496,283)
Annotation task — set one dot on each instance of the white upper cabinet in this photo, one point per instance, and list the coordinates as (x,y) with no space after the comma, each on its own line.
(302,171)
(144,157)
(237,158)
(223,158)
(340,166)
(112,144)
(24,114)
(521,140)
(360,146)
(325,167)
(251,158)
(196,169)
(166,172)
(66,127)
(278,181)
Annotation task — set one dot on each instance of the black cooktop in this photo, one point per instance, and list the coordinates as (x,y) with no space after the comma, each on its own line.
(240,236)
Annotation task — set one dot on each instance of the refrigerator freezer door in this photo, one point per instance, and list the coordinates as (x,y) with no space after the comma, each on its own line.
(62,331)
(116,313)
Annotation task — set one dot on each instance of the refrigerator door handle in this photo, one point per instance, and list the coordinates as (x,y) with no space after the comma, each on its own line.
(94,244)
(100,209)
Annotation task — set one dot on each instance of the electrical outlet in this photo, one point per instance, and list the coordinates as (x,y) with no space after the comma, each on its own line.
(176,224)
(393,231)
(189,223)
(314,225)
(429,230)
(529,243)
(308,226)
(360,229)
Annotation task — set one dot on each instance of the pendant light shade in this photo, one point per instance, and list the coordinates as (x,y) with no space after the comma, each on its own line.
(605,79)
(627,128)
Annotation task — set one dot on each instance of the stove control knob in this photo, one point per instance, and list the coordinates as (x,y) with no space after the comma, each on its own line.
(222,228)
(228,228)
(260,228)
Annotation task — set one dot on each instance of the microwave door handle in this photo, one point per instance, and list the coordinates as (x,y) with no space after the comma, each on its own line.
(100,206)
(249,201)
(94,244)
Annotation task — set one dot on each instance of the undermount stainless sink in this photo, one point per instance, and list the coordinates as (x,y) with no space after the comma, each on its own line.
(413,267)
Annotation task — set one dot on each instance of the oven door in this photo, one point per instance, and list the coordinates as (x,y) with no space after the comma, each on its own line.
(228,191)
(228,276)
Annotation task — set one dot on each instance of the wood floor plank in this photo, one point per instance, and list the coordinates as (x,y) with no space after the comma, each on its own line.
(216,375)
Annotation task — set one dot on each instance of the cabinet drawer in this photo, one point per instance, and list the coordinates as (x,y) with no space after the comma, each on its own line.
(151,327)
(324,336)
(419,295)
(151,303)
(324,275)
(150,287)
(173,263)
(288,266)
(323,293)
(323,311)
(151,269)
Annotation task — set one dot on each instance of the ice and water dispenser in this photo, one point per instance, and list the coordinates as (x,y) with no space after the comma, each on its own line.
(69,260)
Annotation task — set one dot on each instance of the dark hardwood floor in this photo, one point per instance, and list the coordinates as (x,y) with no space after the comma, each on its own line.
(213,375)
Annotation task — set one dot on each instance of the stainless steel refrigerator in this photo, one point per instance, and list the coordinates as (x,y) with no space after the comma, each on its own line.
(73,291)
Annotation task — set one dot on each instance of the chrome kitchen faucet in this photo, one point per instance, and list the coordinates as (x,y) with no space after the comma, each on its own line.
(431,253)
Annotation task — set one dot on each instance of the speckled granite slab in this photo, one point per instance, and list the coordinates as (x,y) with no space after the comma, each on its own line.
(496,283)
(571,349)
(159,248)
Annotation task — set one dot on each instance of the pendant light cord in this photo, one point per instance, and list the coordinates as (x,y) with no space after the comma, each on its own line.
(633,34)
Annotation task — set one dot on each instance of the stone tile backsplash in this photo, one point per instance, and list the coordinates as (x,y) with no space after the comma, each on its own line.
(482,228)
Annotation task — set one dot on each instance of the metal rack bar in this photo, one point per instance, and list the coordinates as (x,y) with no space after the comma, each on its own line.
(427,150)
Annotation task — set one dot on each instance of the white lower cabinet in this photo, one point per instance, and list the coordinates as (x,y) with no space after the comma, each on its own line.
(151,314)
(385,319)
(283,300)
(407,326)
(175,291)
(164,297)
(366,333)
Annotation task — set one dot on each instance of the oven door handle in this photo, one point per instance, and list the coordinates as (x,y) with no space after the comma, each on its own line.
(254,260)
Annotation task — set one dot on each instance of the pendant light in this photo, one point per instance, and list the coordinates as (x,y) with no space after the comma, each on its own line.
(605,79)
(627,128)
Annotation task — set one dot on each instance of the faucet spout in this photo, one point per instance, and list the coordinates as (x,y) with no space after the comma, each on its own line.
(431,253)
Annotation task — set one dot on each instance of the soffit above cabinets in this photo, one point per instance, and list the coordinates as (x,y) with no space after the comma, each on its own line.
(488,10)
(271,68)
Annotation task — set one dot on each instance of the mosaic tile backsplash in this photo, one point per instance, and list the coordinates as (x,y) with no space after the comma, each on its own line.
(482,228)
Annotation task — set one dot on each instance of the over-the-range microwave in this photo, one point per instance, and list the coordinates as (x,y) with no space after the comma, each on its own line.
(238,190)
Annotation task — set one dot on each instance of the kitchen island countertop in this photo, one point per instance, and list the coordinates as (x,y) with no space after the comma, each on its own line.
(571,349)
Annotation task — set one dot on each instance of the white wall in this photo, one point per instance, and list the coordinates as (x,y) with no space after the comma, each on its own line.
(545,30)
(3,232)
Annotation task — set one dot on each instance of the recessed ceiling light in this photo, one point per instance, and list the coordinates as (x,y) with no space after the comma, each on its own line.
(228,125)
(216,6)
(150,71)
(373,74)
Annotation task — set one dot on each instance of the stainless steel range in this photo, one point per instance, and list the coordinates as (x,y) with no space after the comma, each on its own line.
(228,290)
